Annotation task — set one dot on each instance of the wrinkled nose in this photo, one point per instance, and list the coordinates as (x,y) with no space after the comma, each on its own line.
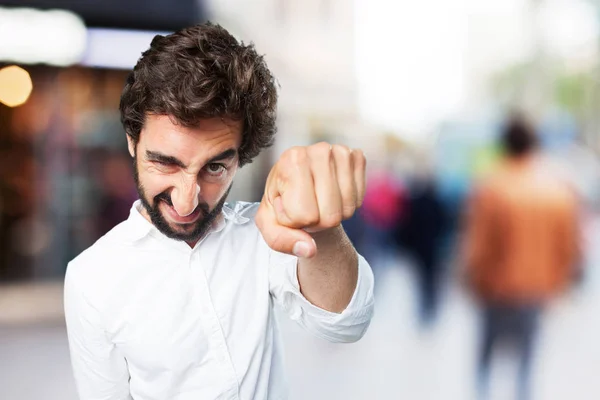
(185,197)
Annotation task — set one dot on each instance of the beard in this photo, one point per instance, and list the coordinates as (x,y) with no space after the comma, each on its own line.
(185,232)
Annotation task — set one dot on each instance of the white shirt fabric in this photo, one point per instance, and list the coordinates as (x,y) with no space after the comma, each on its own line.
(149,318)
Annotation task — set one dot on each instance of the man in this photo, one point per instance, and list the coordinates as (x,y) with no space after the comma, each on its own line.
(177,301)
(521,247)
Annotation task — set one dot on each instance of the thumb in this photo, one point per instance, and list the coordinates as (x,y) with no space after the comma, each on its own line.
(282,238)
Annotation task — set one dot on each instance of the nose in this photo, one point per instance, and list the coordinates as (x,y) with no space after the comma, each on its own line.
(185,196)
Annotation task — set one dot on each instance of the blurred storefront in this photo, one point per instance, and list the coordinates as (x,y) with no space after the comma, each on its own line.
(65,174)
(64,170)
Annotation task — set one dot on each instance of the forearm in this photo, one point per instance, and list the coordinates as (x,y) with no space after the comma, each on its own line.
(328,280)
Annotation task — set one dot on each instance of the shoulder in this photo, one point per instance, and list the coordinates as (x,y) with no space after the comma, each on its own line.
(105,246)
(484,188)
(96,266)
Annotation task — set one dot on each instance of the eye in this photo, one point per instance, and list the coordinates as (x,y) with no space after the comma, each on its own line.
(164,166)
(216,168)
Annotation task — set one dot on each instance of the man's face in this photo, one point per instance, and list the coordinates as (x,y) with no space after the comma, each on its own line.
(183,175)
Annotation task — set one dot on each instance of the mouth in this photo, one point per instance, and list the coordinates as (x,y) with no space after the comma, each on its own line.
(174,217)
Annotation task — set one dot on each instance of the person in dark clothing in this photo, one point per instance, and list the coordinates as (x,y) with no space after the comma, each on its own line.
(419,234)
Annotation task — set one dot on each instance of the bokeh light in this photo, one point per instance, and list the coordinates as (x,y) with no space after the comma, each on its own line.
(15,86)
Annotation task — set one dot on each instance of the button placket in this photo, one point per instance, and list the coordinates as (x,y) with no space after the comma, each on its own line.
(217,340)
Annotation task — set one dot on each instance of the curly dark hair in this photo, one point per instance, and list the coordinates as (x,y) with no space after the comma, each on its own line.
(203,72)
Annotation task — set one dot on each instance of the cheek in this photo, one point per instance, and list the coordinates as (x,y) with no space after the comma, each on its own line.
(213,192)
(155,183)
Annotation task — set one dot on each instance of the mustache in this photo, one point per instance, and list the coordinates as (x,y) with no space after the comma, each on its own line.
(164,196)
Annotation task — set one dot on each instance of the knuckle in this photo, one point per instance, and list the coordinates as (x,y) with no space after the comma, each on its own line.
(359,157)
(304,219)
(331,220)
(342,148)
(343,152)
(296,154)
(359,202)
(321,149)
(360,199)
(349,197)
(322,146)
(309,220)
(349,211)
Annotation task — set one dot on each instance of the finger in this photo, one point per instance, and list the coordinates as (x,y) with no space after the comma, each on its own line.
(327,190)
(344,169)
(294,184)
(281,238)
(360,166)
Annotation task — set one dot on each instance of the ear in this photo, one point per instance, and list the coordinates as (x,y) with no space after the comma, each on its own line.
(131,146)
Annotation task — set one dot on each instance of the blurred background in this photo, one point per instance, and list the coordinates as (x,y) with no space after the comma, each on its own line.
(423,87)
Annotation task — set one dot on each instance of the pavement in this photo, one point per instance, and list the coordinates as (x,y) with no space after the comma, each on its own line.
(395,360)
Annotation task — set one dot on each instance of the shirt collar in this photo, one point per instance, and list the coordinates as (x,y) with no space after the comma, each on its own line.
(139,227)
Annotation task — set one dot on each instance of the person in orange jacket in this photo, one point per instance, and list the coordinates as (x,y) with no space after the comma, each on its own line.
(521,247)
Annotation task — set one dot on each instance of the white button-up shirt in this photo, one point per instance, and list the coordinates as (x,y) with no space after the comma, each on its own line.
(150,318)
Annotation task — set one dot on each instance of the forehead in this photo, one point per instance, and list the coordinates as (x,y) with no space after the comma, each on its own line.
(161,133)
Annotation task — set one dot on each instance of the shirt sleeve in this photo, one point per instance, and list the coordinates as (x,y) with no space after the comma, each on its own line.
(345,327)
(101,373)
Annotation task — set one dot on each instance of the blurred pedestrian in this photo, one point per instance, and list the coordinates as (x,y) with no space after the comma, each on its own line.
(420,234)
(381,212)
(521,248)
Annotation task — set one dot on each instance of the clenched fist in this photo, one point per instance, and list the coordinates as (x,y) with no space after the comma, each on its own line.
(310,189)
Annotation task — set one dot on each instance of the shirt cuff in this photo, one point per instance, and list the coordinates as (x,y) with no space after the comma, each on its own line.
(347,326)
(360,308)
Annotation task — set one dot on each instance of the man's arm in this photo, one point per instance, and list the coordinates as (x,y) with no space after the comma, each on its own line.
(100,371)
(327,287)
(307,303)
(328,279)
(308,194)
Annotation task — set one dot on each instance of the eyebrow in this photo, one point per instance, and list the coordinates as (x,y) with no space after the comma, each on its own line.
(224,156)
(163,158)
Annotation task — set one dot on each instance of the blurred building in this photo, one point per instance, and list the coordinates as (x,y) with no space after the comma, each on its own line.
(310,46)
(70,180)
(65,174)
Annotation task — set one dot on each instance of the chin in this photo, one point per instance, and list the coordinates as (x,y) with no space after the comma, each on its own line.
(181,228)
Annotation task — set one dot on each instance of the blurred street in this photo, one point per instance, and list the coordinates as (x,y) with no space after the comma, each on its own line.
(480,126)
(394,360)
